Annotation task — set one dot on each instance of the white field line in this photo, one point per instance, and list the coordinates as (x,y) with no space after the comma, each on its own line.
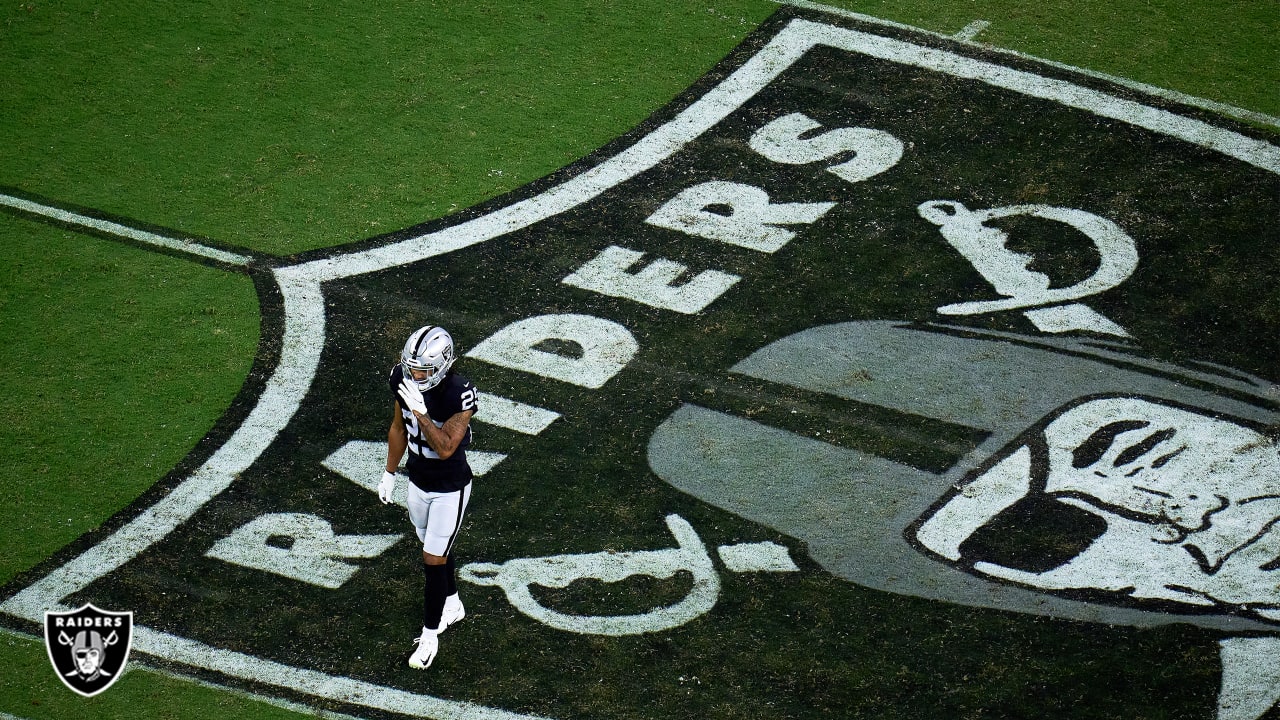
(119,230)
(255,697)
(303,339)
(301,288)
(312,682)
(970,31)
(1192,100)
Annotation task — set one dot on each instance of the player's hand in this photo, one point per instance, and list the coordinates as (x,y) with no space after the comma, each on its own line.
(387,487)
(411,397)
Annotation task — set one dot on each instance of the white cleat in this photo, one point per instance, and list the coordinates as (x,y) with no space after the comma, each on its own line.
(426,651)
(453,612)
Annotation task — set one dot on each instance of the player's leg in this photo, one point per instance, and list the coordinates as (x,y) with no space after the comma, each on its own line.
(453,609)
(420,511)
(437,518)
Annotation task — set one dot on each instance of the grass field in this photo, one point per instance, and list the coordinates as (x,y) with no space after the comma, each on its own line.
(285,128)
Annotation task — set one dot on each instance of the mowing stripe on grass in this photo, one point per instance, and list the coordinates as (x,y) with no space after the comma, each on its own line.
(124,231)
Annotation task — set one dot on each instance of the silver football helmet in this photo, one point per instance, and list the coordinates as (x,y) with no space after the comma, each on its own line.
(428,350)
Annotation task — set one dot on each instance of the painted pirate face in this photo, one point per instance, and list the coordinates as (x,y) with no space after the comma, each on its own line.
(87,651)
(1143,500)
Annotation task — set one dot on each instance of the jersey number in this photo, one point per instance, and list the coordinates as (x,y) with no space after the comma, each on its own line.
(411,424)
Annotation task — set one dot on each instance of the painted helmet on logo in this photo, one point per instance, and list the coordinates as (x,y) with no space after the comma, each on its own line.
(429,349)
(88,650)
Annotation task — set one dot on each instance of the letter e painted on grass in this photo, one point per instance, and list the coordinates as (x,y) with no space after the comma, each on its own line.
(653,285)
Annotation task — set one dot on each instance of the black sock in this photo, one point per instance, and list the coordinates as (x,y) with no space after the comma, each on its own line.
(453,578)
(434,591)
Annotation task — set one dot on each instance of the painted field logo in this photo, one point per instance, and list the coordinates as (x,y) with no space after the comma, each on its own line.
(88,647)
(1129,497)
(863,328)
(1126,496)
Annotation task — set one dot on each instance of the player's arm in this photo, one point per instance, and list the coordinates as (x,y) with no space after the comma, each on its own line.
(446,438)
(397,441)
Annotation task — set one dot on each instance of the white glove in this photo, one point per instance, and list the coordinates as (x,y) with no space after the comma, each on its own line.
(387,487)
(411,397)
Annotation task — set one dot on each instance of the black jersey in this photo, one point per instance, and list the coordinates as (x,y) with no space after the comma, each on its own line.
(453,395)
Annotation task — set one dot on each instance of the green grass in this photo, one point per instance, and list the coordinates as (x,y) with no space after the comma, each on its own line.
(41,696)
(292,126)
(284,127)
(116,360)
(1222,51)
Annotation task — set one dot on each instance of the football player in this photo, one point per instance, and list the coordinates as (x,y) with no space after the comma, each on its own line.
(432,420)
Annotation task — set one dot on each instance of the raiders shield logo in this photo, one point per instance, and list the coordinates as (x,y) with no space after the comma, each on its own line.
(88,647)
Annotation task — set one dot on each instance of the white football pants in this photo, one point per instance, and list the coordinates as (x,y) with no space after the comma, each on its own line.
(437,517)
